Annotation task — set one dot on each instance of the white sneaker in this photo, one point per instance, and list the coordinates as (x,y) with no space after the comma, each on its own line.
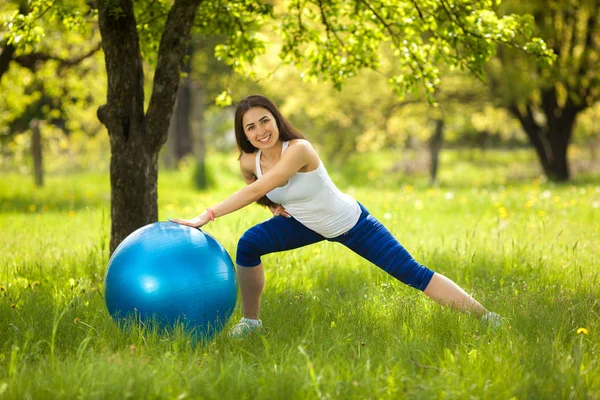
(245,328)
(493,320)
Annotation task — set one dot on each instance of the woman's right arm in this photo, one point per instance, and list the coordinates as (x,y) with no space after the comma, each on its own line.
(247,167)
(292,161)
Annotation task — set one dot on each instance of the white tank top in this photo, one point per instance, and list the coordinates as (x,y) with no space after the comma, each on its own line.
(314,200)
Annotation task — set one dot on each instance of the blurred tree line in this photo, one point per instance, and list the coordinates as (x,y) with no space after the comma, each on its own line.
(354,76)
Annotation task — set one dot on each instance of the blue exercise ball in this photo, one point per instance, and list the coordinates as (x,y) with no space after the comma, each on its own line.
(171,273)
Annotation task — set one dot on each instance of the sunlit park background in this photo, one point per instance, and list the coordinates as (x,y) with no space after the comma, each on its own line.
(469,128)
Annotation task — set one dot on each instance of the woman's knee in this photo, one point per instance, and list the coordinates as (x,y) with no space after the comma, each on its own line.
(249,249)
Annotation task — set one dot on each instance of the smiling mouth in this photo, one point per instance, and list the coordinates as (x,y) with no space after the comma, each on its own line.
(265,139)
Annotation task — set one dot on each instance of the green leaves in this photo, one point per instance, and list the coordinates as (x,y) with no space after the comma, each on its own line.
(223,99)
(331,40)
(20,25)
(27,24)
(334,40)
(240,24)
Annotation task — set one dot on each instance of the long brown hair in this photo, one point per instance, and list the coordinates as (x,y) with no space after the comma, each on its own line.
(286,130)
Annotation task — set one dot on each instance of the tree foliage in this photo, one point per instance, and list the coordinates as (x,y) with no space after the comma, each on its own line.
(336,39)
(43,67)
(547,99)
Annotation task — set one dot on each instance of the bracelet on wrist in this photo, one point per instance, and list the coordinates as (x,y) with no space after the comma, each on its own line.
(211,213)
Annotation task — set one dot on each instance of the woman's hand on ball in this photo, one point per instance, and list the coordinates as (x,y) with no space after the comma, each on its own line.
(197,222)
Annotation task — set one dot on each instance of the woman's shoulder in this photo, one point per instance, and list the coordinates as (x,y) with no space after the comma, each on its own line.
(301,144)
(305,149)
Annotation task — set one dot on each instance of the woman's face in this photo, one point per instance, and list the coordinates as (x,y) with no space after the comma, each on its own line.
(260,128)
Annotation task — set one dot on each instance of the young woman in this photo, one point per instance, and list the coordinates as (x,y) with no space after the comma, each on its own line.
(283,172)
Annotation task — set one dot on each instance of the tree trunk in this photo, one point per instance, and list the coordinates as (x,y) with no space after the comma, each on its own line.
(558,170)
(201,176)
(183,137)
(180,142)
(550,139)
(435,146)
(135,137)
(168,155)
(5,58)
(200,140)
(36,152)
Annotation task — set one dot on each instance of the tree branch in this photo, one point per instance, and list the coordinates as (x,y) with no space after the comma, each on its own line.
(327,26)
(394,37)
(455,19)
(418,9)
(173,44)
(387,26)
(590,44)
(30,61)
(125,84)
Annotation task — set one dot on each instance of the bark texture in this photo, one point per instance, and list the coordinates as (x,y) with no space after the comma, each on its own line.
(201,175)
(37,153)
(550,135)
(137,136)
(435,146)
(183,114)
(5,58)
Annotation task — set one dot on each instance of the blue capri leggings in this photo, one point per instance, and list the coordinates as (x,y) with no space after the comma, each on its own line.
(368,238)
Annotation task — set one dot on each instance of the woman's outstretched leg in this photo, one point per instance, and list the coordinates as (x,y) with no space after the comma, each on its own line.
(370,239)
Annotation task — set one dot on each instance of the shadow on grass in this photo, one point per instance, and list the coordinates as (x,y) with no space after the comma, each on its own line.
(30,205)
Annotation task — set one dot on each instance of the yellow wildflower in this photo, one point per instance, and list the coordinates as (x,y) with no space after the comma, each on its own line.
(502,211)
(582,330)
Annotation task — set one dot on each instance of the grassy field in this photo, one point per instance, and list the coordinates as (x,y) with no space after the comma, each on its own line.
(335,326)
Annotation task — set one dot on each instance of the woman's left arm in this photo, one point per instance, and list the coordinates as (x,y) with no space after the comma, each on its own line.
(292,160)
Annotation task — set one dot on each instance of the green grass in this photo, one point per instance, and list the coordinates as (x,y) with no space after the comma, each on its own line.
(335,326)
